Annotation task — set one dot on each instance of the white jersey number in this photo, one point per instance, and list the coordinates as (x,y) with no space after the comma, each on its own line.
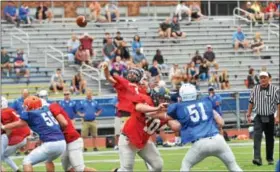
(195,116)
(152,125)
(49,119)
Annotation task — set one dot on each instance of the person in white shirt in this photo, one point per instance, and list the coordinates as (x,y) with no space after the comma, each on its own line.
(181,9)
(73,44)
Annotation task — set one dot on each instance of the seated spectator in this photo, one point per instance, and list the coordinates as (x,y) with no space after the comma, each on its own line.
(86,41)
(43,13)
(112,12)
(224,80)
(213,80)
(175,29)
(10,13)
(158,57)
(106,36)
(258,11)
(252,79)
(209,56)
(124,51)
(82,56)
(118,39)
(251,14)
(165,29)
(95,10)
(271,10)
(192,70)
(136,44)
(78,84)
(175,75)
(5,61)
(196,11)
(57,82)
(239,39)
(117,69)
(154,73)
(73,44)
(109,50)
(203,70)
(139,57)
(24,13)
(20,64)
(257,43)
(194,81)
(197,59)
(182,9)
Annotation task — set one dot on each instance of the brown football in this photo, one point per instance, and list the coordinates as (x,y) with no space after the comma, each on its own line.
(81,21)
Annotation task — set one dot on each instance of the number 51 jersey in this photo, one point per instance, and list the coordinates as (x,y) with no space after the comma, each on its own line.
(196,118)
(44,124)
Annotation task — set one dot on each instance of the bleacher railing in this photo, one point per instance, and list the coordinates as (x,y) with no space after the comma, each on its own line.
(270,31)
(16,34)
(89,71)
(236,14)
(59,58)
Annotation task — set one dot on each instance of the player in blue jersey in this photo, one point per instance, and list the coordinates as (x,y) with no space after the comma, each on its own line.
(41,121)
(199,126)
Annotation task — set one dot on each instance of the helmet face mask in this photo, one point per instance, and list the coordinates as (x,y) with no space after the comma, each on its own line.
(4,103)
(134,75)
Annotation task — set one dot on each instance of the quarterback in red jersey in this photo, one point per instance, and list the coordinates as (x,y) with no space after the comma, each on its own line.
(17,137)
(72,158)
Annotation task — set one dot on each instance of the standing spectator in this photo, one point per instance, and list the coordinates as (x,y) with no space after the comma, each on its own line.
(57,82)
(136,44)
(196,11)
(112,12)
(10,13)
(118,39)
(89,109)
(158,57)
(258,11)
(264,120)
(5,61)
(239,39)
(43,13)
(182,9)
(73,44)
(69,105)
(197,59)
(95,10)
(252,79)
(203,70)
(82,56)
(216,100)
(209,56)
(224,80)
(24,13)
(175,29)
(154,73)
(86,41)
(257,44)
(17,105)
(271,10)
(109,50)
(78,84)
(165,29)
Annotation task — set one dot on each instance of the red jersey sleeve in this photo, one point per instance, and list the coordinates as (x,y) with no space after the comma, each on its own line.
(55,109)
(121,82)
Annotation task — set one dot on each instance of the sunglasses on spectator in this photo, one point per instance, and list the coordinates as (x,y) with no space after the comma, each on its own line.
(67,94)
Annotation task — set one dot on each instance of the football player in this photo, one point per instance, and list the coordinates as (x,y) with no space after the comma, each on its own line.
(199,126)
(41,121)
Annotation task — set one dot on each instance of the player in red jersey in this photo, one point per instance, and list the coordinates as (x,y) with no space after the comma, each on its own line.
(17,136)
(72,158)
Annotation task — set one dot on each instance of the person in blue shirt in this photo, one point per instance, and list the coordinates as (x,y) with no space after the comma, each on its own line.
(69,105)
(199,126)
(239,39)
(41,121)
(17,105)
(89,109)
(136,44)
(24,13)
(10,13)
(216,100)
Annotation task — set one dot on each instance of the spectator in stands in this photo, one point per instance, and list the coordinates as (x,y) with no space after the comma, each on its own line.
(106,36)
(239,39)
(89,109)
(181,10)
(5,61)
(165,29)
(57,81)
(257,44)
(175,29)
(24,13)
(139,57)
(136,44)
(78,84)
(258,11)
(216,100)
(117,69)
(118,39)
(17,105)
(109,50)
(196,11)
(86,41)
(251,14)
(124,51)
(213,80)
(192,70)
(20,64)
(224,80)
(197,59)
(271,10)
(112,12)
(159,58)
(43,13)
(154,73)
(175,75)
(69,105)
(10,13)
(73,44)
(203,70)
(82,56)
(209,56)
(252,79)
(95,10)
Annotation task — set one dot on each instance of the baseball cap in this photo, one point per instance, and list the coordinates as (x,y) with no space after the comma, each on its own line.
(209,46)
(211,88)
(263,73)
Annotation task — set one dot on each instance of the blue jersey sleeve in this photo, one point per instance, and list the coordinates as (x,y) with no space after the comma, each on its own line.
(171,111)
(24,116)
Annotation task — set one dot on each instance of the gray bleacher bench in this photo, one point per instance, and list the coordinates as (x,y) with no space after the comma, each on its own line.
(157,11)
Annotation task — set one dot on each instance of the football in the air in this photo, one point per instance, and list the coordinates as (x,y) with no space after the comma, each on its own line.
(81,21)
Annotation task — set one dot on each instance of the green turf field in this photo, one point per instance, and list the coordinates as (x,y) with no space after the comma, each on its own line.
(106,160)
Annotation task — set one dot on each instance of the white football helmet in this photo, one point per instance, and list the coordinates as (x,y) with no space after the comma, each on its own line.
(4,102)
(43,94)
(188,92)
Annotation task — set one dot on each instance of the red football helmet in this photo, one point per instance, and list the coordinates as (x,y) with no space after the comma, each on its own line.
(32,103)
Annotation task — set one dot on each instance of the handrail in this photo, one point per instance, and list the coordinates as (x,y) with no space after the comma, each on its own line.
(85,69)
(13,35)
(241,17)
(60,60)
(271,31)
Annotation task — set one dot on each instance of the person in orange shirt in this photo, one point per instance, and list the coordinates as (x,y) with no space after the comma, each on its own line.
(271,10)
(95,9)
